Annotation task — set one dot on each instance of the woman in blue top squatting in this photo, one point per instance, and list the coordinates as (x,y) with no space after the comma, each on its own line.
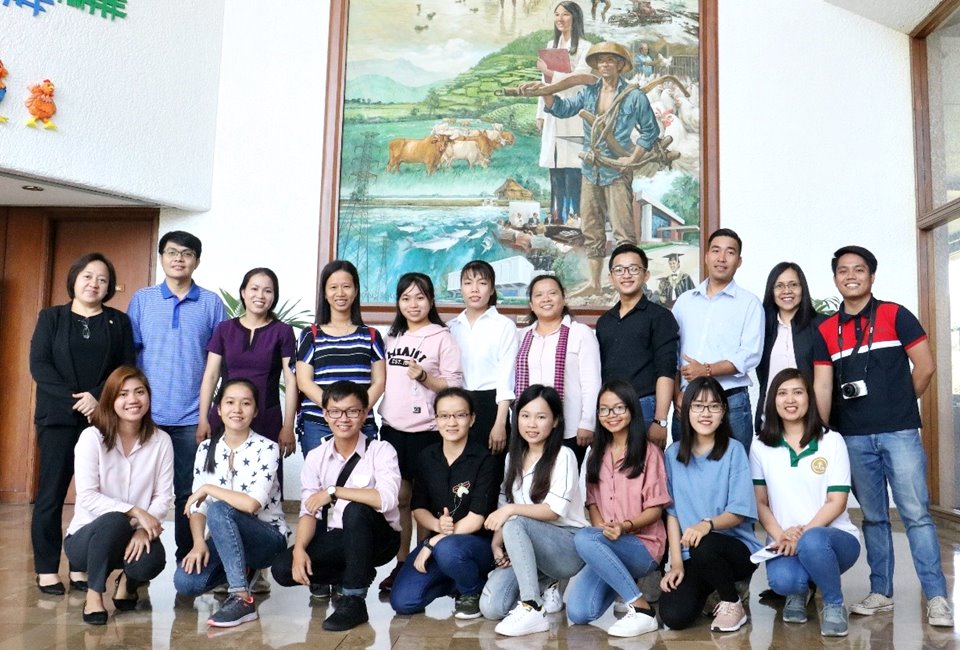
(801,474)
(710,523)
(237,498)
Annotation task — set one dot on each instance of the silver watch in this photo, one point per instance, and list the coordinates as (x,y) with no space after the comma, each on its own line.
(332,491)
(662,423)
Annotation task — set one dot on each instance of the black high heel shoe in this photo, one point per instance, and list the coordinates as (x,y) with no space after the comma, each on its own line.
(126,604)
(94,618)
(78,585)
(56,589)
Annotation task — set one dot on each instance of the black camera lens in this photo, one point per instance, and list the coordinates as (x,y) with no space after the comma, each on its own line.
(849,390)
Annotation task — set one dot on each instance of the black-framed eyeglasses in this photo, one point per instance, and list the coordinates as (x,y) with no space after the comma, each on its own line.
(605,411)
(712,407)
(632,269)
(336,414)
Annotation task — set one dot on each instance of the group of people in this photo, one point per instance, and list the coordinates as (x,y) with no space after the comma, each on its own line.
(532,462)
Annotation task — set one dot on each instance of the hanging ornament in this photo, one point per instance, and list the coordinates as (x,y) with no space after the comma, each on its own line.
(41,106)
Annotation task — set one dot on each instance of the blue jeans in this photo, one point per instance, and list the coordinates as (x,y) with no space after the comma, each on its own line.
(612,569)
(898,459)
(184,440)
(823,554)
(648,408)
(314,433)
(459,563)
(739,414)
(540,554)
(238,541)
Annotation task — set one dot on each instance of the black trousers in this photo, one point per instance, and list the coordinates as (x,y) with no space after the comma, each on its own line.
(714,565)
(56,471)
(485,402)
(578,451)
(98,549)
(348,556)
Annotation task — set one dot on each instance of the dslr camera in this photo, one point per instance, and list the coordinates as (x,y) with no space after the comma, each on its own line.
(853,389)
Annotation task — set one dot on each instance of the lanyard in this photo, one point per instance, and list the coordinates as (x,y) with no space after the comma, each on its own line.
(870,327)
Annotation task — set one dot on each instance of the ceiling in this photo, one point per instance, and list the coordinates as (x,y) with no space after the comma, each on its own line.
(901,15)
(12,193)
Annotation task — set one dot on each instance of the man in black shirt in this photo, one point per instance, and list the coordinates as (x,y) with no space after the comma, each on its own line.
(639,339)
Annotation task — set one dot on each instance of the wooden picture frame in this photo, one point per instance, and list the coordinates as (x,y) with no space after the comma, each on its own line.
(332,169)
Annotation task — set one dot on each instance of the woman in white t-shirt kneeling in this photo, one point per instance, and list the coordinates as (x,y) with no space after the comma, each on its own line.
(801,475)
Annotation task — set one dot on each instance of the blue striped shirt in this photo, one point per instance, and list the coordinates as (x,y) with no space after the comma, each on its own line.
(336,358)
(171,337)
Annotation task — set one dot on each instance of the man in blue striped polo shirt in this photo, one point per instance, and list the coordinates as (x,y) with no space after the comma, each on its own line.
(172,324)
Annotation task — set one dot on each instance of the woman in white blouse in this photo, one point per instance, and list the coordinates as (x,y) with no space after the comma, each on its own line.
(124,472)
(237,499)
(559,352)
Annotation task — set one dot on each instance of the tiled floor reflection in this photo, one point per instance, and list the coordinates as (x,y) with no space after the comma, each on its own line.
(31,621)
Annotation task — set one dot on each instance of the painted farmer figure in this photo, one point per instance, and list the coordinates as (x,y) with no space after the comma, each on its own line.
(674,284)
(606,191)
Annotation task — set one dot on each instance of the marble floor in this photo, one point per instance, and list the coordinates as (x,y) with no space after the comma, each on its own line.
(33,621)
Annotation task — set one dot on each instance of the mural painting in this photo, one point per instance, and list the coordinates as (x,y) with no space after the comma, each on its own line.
(469,132)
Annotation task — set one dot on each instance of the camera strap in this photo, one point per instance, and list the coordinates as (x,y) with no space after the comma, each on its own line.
(868,334)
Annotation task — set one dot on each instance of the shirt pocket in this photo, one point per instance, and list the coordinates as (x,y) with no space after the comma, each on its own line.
(360,480)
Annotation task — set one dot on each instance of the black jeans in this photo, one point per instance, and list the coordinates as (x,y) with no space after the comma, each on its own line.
(56,471)
(347,556)
(98,549)
(714,565)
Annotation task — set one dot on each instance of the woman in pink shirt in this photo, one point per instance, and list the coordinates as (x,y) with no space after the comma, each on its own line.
(626,493)
(124,472)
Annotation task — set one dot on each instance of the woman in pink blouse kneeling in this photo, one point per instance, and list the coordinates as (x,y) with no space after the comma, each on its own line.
(124,472)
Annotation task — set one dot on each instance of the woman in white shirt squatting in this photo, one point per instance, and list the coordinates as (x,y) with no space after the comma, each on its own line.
(541,508)
(236,498)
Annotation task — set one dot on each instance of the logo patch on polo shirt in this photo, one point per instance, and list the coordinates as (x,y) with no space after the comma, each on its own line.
(819,465)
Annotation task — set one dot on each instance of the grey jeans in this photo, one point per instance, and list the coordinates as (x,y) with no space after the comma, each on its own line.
(540,553)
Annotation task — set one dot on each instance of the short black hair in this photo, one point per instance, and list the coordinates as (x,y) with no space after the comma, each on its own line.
(342,389)
(185,239)
(455,391)
(628,248)
(867,256)
(726,232)
(81,264)
(483,270)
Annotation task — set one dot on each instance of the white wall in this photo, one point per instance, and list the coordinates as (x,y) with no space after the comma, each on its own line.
(265,207)
(816,141)
(136,114)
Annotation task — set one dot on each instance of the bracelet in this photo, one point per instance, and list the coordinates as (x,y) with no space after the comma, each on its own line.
(427,544)
(423,376)
(629,521)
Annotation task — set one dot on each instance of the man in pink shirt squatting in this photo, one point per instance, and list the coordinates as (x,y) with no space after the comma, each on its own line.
(349,516)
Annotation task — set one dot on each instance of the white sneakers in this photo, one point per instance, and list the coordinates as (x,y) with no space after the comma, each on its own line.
(939,612)
(552,599)
(633,623)
(872,604)
(523,620)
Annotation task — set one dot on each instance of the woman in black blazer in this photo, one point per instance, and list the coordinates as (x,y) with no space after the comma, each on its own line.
(790,334)
(74,349)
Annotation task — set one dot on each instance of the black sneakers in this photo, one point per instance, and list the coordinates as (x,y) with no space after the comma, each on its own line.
(350,612)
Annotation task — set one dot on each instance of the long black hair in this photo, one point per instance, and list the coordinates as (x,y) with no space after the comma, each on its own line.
(519,447)
(262,270)
(772,431)
(324,311)
(425,284)
(484,271)
(707,387)
(542,278)
(210,463)
(633,460)
(805,311)
(576,29)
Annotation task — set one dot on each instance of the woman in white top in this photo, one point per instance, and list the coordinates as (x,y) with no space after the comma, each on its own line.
(560,352)
(123,467)
(541,509)
(801,476)
(488,347)
(236,498)
(559,146)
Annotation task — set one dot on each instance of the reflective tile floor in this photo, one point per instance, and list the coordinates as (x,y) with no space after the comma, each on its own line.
(32,621)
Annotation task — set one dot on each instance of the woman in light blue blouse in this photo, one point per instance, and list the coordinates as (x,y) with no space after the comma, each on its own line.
(237,499)
(710,523)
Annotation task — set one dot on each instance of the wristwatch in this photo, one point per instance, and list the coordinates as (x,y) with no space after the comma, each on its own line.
(662,423)
(332,491)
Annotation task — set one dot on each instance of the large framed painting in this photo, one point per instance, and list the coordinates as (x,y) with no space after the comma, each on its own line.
(533,134)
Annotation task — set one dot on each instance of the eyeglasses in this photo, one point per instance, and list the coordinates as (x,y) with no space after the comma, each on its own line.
(459,417)
(633,269)
(712,407)
(185,254)
(780,286)
(336,414)
(605,411)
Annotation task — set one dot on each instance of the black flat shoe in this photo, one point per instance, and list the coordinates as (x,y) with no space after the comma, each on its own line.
(94,618)
(78,585)
(126,604)
(56,589)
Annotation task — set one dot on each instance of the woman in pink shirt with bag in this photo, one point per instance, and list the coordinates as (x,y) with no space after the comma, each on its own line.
(124,472)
